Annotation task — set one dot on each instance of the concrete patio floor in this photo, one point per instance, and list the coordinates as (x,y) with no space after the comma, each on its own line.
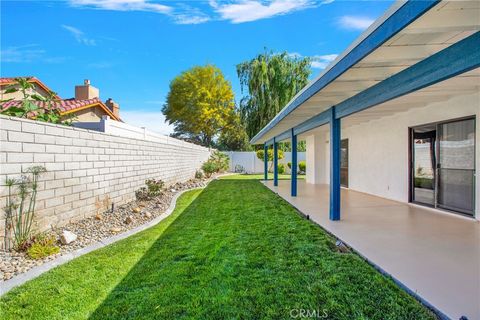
(435,255)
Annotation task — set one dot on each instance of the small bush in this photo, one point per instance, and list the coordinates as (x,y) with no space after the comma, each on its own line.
(281,168)
(198,174)
(209,167)
(221,161)
(302,166)
(153,189)
(239,169)
(289,164)
(42,246)
(218,162)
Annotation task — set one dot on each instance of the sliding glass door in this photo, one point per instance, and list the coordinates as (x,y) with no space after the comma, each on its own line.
(443,165)
(456,166)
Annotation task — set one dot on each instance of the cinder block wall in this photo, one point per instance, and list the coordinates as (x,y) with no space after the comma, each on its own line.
(86,166)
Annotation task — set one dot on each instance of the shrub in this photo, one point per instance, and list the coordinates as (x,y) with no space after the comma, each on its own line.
(209,167)
(218,162)
(281,168)
(302,166)
(153,189)
(42,246)
(289,164)
(239,169)
(221,161)
(199,174)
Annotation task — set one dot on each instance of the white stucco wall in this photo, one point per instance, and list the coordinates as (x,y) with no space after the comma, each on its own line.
(378,149)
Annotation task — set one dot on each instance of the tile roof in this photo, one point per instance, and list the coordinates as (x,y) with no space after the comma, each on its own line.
(11,80)
(65,105)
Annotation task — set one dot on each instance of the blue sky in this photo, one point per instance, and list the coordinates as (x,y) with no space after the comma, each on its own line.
(132,49)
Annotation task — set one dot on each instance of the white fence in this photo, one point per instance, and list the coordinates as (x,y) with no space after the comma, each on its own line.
(251,164)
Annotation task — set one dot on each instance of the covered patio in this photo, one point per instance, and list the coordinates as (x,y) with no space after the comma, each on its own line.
(389,125)
(435,255)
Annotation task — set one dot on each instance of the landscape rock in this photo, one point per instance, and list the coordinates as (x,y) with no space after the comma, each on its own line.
(148,215)
(67,237)
(136,210)
(115,229)
(129,220)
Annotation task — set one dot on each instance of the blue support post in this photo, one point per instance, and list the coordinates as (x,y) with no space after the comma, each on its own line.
(294,165)
(335,137)
(265,162)
(275,162)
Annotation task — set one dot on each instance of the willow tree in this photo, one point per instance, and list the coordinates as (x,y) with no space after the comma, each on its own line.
(200,104)
(269,82)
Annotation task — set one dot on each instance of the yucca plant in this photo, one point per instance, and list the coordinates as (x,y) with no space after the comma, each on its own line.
(20,207)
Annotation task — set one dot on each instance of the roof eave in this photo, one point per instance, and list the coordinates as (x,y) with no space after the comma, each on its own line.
(396,18)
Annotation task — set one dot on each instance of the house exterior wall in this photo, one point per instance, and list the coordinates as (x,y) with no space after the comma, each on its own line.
(85,166)
(18,95)
(379,149)
(93,114)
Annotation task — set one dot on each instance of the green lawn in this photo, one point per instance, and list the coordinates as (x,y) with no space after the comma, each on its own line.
(232,251)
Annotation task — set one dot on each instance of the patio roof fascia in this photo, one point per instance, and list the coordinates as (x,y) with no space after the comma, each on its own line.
(438,67)
(404,13)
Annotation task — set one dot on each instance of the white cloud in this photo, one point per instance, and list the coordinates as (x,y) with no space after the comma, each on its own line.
(251,10)
(79,35)
(318,61)
(152,120)
(26,54)
(182,14)
(321,62)
(185,14)
(355,23)
(123,5)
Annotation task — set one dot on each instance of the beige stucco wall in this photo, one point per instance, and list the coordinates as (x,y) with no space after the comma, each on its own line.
(19,95)
(93,114)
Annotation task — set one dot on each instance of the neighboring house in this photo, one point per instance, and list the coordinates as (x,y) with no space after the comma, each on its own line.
(85,107)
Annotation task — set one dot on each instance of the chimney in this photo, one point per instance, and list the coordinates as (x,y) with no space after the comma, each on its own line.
(86,91)
(114,107)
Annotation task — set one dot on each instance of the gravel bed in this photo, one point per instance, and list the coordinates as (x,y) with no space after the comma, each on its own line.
(96,228)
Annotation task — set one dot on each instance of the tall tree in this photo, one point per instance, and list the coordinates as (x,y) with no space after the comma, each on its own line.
(235,137)
(200,104)
(272,80)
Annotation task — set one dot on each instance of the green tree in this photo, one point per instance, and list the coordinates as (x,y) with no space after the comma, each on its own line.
(234,138)
(200,104)
(272,80)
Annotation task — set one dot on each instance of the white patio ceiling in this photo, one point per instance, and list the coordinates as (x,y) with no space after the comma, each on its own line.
(445,24)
